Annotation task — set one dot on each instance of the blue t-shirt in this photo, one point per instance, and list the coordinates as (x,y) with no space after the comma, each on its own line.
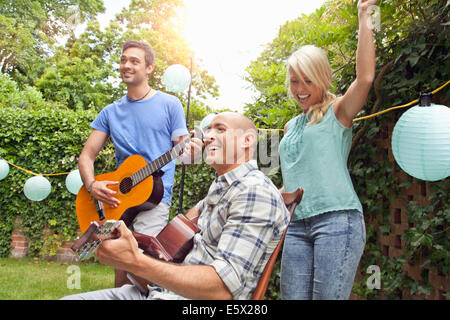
(147,128)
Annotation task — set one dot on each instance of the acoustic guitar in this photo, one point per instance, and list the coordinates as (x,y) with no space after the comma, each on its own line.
(140,188)
(172,244)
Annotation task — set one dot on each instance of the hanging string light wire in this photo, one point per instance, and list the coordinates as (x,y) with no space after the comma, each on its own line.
(260,129)
(399,107)
(381,112)
(36,174)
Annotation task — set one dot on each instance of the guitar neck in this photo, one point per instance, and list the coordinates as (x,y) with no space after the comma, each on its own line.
(171,244)
(160,162)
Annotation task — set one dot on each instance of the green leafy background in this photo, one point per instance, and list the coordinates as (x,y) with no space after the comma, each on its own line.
(49,93)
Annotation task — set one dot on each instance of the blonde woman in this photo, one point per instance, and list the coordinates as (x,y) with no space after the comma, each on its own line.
(326,237)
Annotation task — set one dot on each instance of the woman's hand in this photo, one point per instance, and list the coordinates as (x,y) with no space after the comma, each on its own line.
(363,5)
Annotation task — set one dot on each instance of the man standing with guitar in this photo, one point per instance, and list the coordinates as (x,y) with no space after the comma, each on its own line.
(241,221)
(146,122)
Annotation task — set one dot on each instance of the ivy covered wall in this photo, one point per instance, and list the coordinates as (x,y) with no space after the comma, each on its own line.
(44,140)
(407,220)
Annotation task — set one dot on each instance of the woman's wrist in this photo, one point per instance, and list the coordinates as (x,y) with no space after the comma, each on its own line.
(364,14)
(365,19)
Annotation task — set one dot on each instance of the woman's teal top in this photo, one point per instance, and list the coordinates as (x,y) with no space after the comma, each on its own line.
(314,157)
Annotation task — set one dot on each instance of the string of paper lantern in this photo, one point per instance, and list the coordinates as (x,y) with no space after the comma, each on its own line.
(420,141)
(176,78)
(37,188)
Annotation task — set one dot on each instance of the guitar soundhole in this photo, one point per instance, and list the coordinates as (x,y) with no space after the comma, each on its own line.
(125,185)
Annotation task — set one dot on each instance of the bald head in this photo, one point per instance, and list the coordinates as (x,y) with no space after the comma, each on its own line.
(239,121)
(230,140)
(242,125)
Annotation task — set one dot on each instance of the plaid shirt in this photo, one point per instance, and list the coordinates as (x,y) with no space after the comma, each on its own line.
(241,220)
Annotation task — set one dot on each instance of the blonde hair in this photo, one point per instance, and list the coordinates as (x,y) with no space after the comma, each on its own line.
(313,62)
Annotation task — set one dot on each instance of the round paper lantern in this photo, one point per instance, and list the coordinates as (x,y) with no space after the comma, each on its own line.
(421,142)
(207,120)
(74,182)
(37,188)
(176,78)
(4,169)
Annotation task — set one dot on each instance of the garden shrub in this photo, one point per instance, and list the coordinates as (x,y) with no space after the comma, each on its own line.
(44,140)
(49,140)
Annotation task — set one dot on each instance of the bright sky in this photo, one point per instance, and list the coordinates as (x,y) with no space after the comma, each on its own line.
(228,35)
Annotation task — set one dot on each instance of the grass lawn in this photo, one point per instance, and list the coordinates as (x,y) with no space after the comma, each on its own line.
(34,279)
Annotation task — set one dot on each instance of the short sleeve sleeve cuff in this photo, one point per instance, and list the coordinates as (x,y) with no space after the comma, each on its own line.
(178,133)
(228,276)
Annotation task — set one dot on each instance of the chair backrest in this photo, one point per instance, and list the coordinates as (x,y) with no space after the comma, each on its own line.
(291,200)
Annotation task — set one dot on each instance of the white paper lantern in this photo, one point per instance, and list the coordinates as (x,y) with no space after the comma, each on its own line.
(421,142)
(4,169)
(37,188)
(74,182)
(176,78)
(207,120)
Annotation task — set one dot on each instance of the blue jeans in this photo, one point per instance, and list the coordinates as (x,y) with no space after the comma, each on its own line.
(321,255)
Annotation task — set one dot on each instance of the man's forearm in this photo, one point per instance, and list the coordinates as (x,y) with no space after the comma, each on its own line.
(92,147)
(190,281)
(86,168)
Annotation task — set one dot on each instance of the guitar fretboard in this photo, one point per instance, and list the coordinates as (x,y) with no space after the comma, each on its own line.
(157,164)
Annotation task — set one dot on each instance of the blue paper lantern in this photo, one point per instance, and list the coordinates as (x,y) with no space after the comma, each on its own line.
(207,120)
(421,142)
(176,78)
(37,188)
(74,182)
(4,169)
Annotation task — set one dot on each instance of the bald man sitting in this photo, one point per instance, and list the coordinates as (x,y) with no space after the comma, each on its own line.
(241,221)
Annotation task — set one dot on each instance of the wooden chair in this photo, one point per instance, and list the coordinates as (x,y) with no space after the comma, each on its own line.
(291,200)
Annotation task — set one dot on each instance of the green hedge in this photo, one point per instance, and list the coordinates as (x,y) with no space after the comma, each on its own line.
(45,141)
(48,141)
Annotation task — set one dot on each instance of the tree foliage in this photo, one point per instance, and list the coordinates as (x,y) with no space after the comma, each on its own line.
(44,140)
(28,29)
(412,49)
(83,73)
(50,92)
